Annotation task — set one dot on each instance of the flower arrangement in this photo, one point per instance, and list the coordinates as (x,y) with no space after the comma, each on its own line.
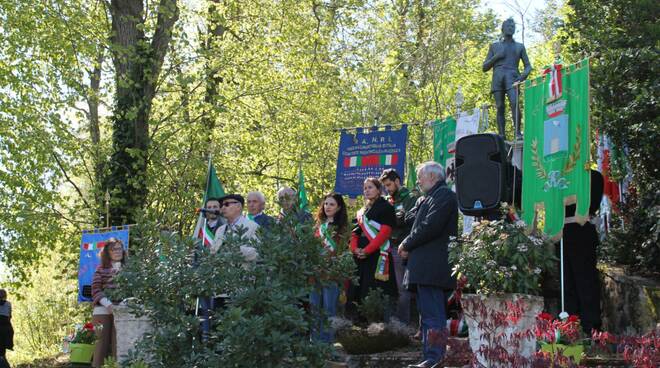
(566,330)
(501,257)
(83,334)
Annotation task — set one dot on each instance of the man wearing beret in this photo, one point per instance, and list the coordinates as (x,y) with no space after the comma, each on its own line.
(238,225)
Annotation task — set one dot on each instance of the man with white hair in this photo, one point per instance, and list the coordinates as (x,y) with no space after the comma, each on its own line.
(256,203)
(428,266)
(287,198)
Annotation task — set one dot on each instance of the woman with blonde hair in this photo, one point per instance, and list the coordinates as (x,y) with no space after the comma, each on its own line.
(113,257)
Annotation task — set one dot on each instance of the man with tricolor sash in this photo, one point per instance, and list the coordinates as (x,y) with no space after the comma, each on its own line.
(428,266)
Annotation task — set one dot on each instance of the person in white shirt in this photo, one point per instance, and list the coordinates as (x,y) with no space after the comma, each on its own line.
(232,210)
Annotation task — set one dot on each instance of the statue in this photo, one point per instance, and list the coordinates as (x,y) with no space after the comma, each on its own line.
(504,57)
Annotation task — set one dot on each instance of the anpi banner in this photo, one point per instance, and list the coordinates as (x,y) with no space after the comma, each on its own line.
(367,152)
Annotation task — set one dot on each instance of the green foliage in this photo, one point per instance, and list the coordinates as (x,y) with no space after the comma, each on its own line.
(621,37)
(373,306)
(46,311)
(264,324)
(635,244)
(499,257)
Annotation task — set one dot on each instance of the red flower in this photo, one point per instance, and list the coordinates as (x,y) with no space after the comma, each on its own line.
(573,318)
(88,326)
(545,316)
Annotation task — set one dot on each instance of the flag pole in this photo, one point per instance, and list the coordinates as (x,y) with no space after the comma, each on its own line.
(561,256)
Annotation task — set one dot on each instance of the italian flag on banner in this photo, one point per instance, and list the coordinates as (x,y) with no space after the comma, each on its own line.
(213,190)
(556,156)
(371,160)
(93,246)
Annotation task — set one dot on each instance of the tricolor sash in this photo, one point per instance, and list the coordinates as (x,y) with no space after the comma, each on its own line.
(206,235)
(328,242)
(370,229)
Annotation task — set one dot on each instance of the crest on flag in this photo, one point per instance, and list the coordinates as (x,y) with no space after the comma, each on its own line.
(556,146)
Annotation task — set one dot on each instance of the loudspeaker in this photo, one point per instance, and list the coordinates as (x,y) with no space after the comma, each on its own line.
(482,173)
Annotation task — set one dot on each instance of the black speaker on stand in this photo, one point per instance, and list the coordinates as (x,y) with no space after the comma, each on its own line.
(482,174)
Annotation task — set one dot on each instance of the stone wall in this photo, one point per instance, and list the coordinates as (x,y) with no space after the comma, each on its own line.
(630,304)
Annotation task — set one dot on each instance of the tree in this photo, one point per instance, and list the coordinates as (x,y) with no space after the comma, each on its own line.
(138,63)
(621,38)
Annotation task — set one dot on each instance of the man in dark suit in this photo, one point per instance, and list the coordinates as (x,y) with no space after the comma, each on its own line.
(428,266)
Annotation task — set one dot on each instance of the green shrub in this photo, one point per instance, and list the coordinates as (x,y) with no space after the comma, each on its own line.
(264,325)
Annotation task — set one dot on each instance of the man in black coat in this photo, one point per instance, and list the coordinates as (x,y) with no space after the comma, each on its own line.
(428,266)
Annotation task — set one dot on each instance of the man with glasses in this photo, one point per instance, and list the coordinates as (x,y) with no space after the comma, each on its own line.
(237,225)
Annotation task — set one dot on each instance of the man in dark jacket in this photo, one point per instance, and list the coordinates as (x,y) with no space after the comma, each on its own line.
(403,201)
(428,266)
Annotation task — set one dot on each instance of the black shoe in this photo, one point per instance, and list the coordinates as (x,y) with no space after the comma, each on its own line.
(424,364)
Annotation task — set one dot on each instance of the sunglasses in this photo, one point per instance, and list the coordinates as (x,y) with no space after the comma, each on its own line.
(229,203)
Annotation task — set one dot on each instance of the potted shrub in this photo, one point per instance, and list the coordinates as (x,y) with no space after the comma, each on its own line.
(560,336)
(503,265)
(80,344)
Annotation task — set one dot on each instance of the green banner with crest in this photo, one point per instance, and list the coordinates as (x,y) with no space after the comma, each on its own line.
(556,157)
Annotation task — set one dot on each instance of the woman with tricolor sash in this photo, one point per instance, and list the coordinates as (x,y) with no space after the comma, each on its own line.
(331,225)
(370,245)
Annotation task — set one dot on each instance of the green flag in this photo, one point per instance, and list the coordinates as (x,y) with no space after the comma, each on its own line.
(213,190)
(213,187)
(411,179)
(303,203)
(444,135)
(557,146)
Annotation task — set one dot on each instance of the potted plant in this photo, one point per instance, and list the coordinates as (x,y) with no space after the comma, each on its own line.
(562,335)
(503,264)
(80,344)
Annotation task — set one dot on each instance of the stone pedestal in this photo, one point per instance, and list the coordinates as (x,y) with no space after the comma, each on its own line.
(532,306)
(129,330)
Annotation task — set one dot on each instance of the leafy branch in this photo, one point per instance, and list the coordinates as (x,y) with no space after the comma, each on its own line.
(575,154)
(536,162)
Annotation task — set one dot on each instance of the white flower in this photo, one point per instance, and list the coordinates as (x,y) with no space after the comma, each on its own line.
(375,329)
(514,268)
(535,240)
(537,270)
(522,248)
(521,224)
(491,263)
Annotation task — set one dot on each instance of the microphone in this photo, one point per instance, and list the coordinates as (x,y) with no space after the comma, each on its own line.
(204,210)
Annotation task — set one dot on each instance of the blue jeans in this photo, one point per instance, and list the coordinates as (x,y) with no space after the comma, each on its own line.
(431,307)
(206,307)
(324,305)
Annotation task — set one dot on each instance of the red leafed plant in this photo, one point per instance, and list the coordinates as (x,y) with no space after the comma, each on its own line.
(558,331)
(642,351)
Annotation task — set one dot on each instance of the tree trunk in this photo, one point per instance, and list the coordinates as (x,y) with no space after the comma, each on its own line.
(215,32)
(137,67)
